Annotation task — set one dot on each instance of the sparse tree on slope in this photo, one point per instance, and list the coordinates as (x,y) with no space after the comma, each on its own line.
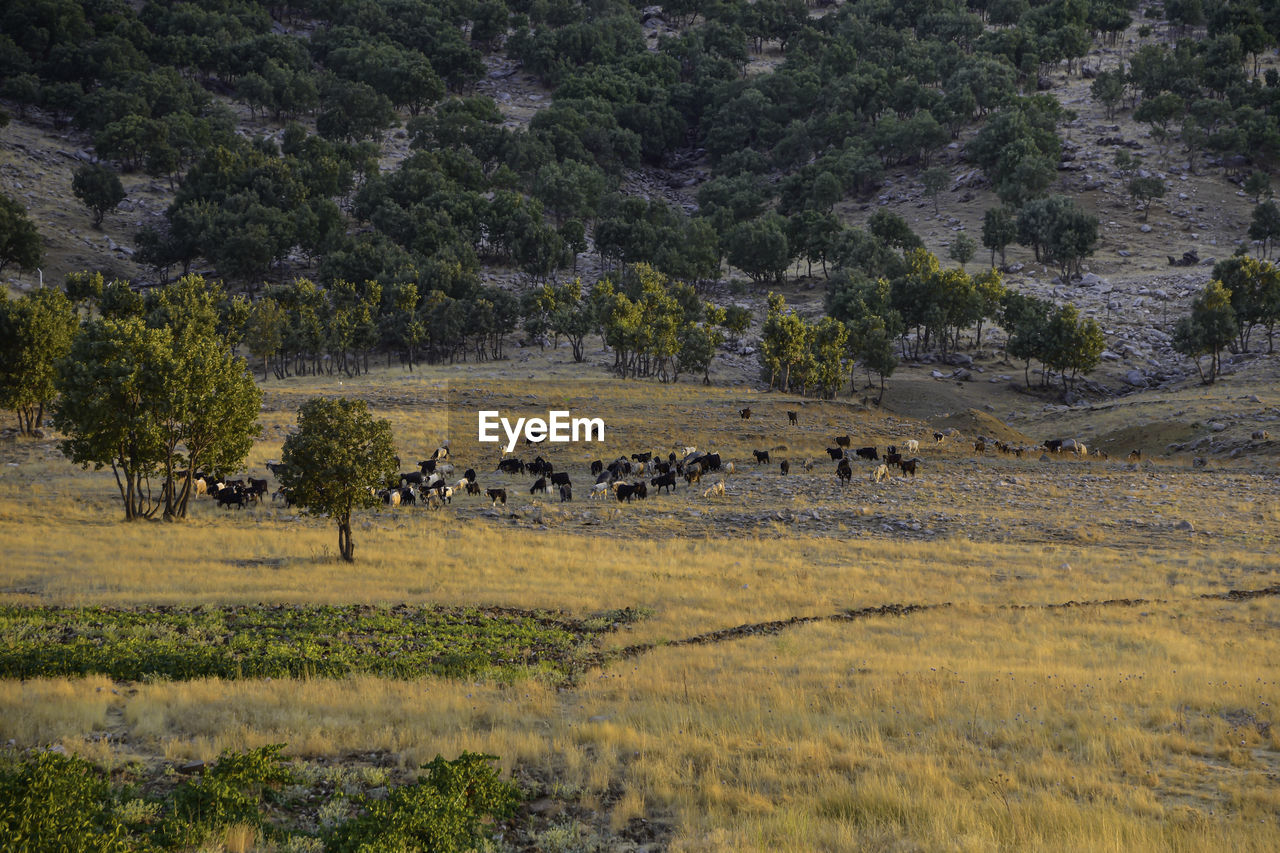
(1207,329)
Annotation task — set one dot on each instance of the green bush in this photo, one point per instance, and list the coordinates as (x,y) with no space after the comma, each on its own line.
(445,811)
(54,802)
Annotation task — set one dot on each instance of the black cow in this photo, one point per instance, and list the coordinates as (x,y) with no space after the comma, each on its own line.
(868,453)
(844,440)
(844,471)
(793,418)
(835,453)
(908,466)
(560,479)
(428,466)
(893,459)
(784,467)
(1053,445)
(498,496)
(539,485)
(596,467)
(626,491)
(257,488)
(761,456)
(229,496)
(666,481)
(566,492)
(511,466)
(414,478)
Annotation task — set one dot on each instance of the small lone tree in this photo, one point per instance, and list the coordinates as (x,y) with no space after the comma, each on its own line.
(1207,329)
(1258,184)
(1265,226)
(961,249)
(934,181)
(99,188)
(1146,190)
(20,242)
(334,461)
(999,229)
(1108,89)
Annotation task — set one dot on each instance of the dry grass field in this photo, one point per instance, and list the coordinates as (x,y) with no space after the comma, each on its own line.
(1141,719)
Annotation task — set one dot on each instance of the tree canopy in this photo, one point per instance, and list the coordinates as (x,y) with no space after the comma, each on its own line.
(334,462)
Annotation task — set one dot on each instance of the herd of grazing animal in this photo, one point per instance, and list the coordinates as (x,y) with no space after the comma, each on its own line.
(627,479)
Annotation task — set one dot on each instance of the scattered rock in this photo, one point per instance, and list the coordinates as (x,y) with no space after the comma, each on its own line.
(1184,525)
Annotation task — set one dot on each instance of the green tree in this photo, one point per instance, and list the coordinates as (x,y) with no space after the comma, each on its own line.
(335,460)
(1059,232)
(157,394)
(782,341)
(35,332)
(999,229)
(1026,320)
(1255,294)
(83,287)
(1207,329)
(759,248)
(98,188)
(698,342)
(1264,227)
(1071,345)
(1159,112)
(111,386)
(961,249)
(1257,185)
(876,352)
(892,230)
(1145,191)
(264,332)
(829,343)
(934,180)
(20,242)
(1023,172)
(990,290)
(1108,89)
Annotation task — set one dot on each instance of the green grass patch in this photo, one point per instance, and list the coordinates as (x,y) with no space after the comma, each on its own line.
(293,641)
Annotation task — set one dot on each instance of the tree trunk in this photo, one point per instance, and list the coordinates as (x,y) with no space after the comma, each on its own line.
(346,548)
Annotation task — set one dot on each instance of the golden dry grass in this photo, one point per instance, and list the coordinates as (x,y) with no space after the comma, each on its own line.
(972,727)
